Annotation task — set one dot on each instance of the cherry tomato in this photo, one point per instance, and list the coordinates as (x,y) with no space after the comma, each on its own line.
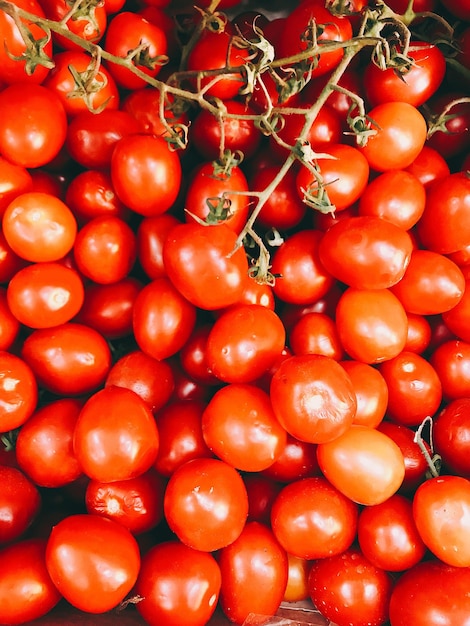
(451,360)
(297,579)
(429,166)
(371,390)
(419,333)
(18,391)
(262,491)
(9,324)
(298,459)
(448,123)
(14,180)
(90,26)
(451,436)
(20,503)
(145,105)
(151,235)
(316,333)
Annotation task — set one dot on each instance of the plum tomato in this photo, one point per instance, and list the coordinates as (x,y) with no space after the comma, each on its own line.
(18,391)
(20,503)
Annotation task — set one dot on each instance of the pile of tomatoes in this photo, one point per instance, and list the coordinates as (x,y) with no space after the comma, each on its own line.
(234,310)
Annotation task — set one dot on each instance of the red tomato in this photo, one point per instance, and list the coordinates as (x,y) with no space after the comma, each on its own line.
(151,235)
(45,294)
(240,427)
(193,356)
(206,504)
(457,317)
(91,194)
(429,166)
(176,580)
(311,519)
(347,588)
(254,574)
(145,174)
(371,392)
(388,536)
(372,324)
(400,136)
(18,391)
(419,333)
(441,510)
(297,460)
(93,561)
(33,124)
(9,324)
(366,252)
(451,360)
(90,25)
(313,398)
(451,435)
(27,592)
(366,465)
(20,503)
(449,124)
(262,491)
(144,106)
(297,579)
(163,319)
(39,227)
(202,263)
(116,436)
(44,444)
(70,359)
(315,333)
(14,180)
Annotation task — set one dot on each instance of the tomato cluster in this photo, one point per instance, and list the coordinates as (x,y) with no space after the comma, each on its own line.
(234,310)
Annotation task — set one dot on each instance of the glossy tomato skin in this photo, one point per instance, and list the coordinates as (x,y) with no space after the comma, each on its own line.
(451,360)
(364,464)
(371,391)
(315,333)
(254,573)
(91,27)
(116,436)
(18,391)
(15,179)
(176,580)
(313,397)
(347,588)
(441,511)
(302,514)
(451,436)
(28,593)
(70,359)
(20,503)
(297,460)
(206,504)
(262,491)
(9,324)
(91,194)
(456,318)
(93,561)
(151,234)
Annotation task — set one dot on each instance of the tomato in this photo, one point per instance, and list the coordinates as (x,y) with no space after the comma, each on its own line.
(415,85)
(209,198)
(193,357)
(126,32)
(206,504)
(388,536)
(448,124)
(26,593)
(254,574)
(144,105)
(116,436)
(366,465)
(262,491)
(20,503)
(151,235)
(145,174)
(399,138)
(366,252)
(347,588)
(297,578)
(199,262)
(371,390)
(344,177)
(93,561)
(372,324)
(298,459)
(451,436)
(44,444)
(176,580)
(90,26)
(70,359)
(136,503)
(451,360)
(163,319)
(91,194)
(18,391)
(441,511)
(102,92)
(315,333)
(14,180)
(311,519)
(419,333)
(9,324)
(45,294)
(302,279)
(149,378)
(240,427)
(430,594)
(429,166)
(396,196)
(39,227)
(33,124)
(414,388)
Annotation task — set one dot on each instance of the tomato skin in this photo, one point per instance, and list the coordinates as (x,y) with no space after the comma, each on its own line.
(313,397)
(429,166)
(297,588)
(451,360)
(93,561)
(9,324)
(347,588)
(151,235)
(254,574)
(372,324)
(456,318)
(262,491)
(206,504)
(371,390)
(70,359)
(115,437)
(297,460)
(366,465)
(441,510)
(311,519)
(451,436)
(176,580)
(143,105)
(28,593)
(315,333)
(18,391)
(431,594)
(90,28)
(20,503)
(14,180)
(91,194)
(419,333)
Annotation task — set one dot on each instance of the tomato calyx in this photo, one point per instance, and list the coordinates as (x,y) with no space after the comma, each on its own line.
(84,10)
(435,461)
(438,121)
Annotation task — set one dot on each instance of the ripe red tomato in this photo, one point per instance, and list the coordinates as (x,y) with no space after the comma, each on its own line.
(441,510)
(419,333)
(451,436)
(262,491)
(254,574)
(429,166)
(90,26)
(115,437)
(91,194)
(297,579)
(144,106)
(151,235)
(297,460)
(176,580)
(18,391)
(371,390)
(366,465)
(451,360)
(9,324)
(313,397)
(316,333)
(206,504)
(448,123)
(311,519)
(93,561)
(14,180)
(20,503)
